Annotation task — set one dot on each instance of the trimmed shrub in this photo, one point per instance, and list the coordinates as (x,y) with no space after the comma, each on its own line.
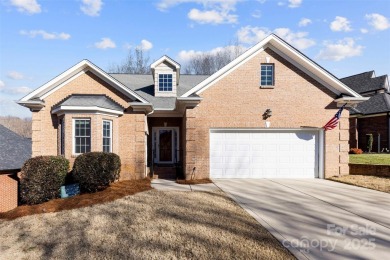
(41,178)
(355,151)
(95,171)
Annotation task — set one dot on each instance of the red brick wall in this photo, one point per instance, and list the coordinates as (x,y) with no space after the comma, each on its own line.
(8,192)
(236,101)
(128,129)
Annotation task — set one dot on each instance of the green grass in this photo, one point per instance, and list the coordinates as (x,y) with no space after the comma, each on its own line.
(370,158)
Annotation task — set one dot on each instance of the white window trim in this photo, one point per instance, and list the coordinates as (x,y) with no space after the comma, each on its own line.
(111,141)
(74,134)
(273,75)
(158,82)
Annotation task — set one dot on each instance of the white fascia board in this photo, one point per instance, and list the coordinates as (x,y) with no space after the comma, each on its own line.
(162,59)
(228,68)
(310,68)
(286,51)
(143,107)
(350,101)
(75,71)
(82,109)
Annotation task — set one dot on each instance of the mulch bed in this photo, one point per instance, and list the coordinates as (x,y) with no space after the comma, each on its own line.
(193,182)
(115,191)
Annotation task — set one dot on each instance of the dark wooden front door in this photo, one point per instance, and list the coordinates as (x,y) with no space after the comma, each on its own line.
(165,145)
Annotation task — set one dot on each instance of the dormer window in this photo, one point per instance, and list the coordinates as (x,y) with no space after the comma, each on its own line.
(165,82)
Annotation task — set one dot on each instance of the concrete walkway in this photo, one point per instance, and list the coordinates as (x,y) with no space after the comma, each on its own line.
(171,185)
(318,219)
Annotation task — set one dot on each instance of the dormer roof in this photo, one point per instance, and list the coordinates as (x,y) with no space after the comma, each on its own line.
(167,59)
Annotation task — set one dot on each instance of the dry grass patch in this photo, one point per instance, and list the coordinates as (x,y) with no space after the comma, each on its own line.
(193,182)
(371,182)
(115,191)
(149,225)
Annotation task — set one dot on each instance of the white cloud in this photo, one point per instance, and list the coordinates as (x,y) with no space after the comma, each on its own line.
(15,75)
(2,85)
(294,3)
(45,35)
(304,22)
(18,90)
(27,6)
(252,35)
(184,55)
(211,16)
(145,45)
(214,11)
(340,24)
(363,30)
(379,22)
(345,48)
(105,43)
(256,14)
(91,7)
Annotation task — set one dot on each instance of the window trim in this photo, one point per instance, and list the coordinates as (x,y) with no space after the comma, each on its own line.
(158,83)
(74,134)
(110,137)
(273,75)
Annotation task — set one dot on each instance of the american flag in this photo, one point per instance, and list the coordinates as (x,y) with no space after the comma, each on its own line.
(334,121)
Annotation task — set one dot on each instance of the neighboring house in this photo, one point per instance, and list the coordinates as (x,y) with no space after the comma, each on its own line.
(14,151)
(214,126)
(373,115)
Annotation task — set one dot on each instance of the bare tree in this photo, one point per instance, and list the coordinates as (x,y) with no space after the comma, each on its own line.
(21,126)
(136,62)
(210,62)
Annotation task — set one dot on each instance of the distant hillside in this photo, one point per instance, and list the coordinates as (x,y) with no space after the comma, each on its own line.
(21,126)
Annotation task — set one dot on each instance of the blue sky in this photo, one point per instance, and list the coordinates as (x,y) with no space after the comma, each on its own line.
(40,39)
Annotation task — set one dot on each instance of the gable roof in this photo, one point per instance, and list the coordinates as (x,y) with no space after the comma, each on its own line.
(14,149)
(289,53)
(143,85)
(85,65)
(377,104)
(366,82)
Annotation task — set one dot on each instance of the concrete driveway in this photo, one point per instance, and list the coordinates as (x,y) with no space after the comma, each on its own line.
(317,219)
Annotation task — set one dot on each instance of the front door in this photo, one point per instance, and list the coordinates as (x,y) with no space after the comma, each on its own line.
(165,144)
(165,149)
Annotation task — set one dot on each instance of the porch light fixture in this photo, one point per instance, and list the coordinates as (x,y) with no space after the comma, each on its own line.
(267,113)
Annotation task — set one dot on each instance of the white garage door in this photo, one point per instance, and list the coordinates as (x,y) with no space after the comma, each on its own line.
(263,154)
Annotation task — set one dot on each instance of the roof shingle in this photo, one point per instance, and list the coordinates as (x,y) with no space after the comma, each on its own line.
(14,149)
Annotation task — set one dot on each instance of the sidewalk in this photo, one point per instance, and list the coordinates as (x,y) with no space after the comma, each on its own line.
(171,185)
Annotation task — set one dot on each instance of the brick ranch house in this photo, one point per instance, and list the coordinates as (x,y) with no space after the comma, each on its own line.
(371,116)
(260,116)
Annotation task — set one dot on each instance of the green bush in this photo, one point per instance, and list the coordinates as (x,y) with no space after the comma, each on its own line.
(41,178)
(96,170)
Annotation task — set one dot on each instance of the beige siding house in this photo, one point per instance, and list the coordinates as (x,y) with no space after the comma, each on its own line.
(260,116)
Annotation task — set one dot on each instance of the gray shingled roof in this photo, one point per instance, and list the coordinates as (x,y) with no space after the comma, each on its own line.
(91,100)
(14,149)
(143,85)
(379,103)
(365,82)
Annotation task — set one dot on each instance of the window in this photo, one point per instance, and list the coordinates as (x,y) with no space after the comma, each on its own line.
(267,75)
(107,136)
(82,136)
(165,82)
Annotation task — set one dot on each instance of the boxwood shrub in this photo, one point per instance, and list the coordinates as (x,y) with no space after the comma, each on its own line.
(95,171)
(41,178)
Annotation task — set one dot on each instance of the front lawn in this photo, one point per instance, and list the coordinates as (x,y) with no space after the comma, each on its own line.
(370,158)
(148,225)
(370,182)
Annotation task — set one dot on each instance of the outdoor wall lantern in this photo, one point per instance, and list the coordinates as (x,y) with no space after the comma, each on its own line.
(267,113)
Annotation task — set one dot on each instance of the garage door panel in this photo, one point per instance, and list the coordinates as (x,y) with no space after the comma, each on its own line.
(264,154)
